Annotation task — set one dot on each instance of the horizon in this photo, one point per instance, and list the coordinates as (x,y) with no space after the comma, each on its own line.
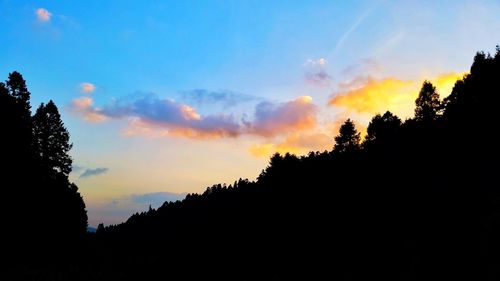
(162,99)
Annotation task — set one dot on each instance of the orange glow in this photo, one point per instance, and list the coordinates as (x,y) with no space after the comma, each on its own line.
(296,143)
(138,127)
(373,96)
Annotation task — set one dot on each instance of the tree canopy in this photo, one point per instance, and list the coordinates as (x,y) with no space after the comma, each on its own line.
(427,104)
(348,138)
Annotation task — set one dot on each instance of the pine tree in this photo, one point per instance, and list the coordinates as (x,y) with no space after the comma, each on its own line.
(52,139)
(18,89)
(427,104)
(348,138)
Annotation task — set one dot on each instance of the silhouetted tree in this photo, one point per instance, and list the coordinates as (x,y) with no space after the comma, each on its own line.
(4,93)
(427,104)
(52,139)
(348,138)
(382,128)
(41,209)
(100,228)
(18,89)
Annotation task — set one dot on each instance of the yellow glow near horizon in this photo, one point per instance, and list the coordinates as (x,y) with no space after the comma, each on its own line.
(398,96)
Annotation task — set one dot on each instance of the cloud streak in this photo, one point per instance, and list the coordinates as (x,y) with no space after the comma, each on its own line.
(152,116)
(227,99)
(94,172)
(362,67)
(171,118)
(43,15)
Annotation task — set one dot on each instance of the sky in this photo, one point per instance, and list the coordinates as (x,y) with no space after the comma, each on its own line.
(165,98)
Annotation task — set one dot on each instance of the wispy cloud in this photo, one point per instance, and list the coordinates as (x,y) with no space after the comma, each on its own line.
(94,172)
(87,87)
(83,106)
(225,98)
(367,95)
(315,72)
(316,62)
(364,66)
(152,116)
(172,118)
(320,78)
(359,20)
(43,15)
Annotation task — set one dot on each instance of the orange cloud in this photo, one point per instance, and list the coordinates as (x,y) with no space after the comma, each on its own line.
(43,15)
(153,130)
(152,116)
(84,106)
(274,119)
(366,95)
(87,87)
(295,143)
(189,113)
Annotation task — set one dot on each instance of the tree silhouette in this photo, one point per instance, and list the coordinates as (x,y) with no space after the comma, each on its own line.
(382,128)
(427,103)
(52,139)
(348,138)
(18,89)
(42,211)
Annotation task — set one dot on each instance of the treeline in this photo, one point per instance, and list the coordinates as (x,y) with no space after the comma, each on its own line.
(41,210)
(415,200)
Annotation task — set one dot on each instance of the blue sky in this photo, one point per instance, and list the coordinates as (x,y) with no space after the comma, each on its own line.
(184,94)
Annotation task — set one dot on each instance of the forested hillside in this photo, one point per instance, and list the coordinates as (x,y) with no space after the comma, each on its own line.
(416,199)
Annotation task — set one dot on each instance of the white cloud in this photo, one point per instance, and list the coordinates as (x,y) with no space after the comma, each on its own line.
(318,62)
(43,15)
(87,87)
(315,72)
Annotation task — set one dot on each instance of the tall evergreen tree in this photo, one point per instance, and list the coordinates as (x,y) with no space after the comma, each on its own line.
(18,89)
(427,104)
(348,138)
(52,139)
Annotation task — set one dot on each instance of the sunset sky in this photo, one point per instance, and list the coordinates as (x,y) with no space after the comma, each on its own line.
(164,98)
